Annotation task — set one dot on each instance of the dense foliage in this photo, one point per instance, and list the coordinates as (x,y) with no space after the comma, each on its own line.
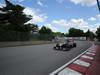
(45,30)
(98,33)
(89,34)
(13,18)
(73,32)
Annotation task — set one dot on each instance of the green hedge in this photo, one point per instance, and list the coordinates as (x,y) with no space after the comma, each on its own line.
(22,36)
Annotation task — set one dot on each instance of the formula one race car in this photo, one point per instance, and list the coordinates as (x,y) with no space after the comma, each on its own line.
(71,43)
(65,46)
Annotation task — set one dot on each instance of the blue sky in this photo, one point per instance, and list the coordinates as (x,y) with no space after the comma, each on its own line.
(60,15)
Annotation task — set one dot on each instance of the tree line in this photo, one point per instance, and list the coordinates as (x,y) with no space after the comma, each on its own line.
(13,19)
(73,32)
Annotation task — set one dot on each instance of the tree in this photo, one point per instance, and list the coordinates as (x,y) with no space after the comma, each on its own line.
(89,34)
(58,34)
(13,17)
(46,33)
(13,25)
(35,28)
(32,27)
(98,33)
(73,32)
(45,30)
(67,35)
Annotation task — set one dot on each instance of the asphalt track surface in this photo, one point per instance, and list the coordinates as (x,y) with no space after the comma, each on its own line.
(36,59)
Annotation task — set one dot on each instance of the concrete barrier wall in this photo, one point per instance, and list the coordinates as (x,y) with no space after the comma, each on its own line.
(76,38)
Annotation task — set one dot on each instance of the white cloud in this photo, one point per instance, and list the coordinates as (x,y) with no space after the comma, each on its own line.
(85,2)
(76,23)
(98,16)
(95,18)
(36,16)
(80,23)
(54,29)
(40,3)
(72,22)
(2,5)
(76,1)
(94,27)
(92,19)
(85,28)
(60,22)
(20,0)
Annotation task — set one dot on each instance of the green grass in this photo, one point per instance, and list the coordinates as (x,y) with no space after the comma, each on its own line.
(25,43)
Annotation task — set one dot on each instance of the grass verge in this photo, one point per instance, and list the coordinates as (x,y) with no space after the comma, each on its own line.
(24,43)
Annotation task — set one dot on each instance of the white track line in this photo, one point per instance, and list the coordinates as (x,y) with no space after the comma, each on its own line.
(87,57)
(90,53)
(61,68)
(68,71)
(82,63)
(92,50)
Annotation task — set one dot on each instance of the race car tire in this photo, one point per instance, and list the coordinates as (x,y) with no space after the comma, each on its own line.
(74,45)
